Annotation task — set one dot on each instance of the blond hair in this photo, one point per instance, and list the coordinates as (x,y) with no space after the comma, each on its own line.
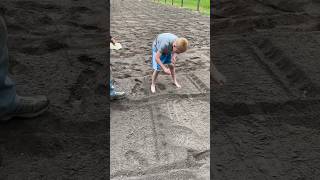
(182,44)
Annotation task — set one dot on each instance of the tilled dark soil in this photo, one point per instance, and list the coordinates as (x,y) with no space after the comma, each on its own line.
(266,118)
(57,48)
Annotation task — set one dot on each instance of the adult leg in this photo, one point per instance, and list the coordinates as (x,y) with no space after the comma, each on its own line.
(113,93)
(12,105)
(7,86)
(111,88)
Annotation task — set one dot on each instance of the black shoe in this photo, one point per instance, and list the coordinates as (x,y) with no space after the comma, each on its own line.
(28,107)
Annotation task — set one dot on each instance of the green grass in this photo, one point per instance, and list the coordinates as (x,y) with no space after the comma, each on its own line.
(204,6)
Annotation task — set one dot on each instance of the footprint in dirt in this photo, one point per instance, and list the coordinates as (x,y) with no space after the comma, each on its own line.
(161,86)
(82,87)
(137,88)
(136,156)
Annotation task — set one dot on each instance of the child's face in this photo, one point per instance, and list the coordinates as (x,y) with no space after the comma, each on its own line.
(175,49)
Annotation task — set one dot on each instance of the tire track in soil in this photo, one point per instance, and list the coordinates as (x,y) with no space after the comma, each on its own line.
(201,86)
(194,157)
(298,106)
(294,75)
(269,68)
(267,139)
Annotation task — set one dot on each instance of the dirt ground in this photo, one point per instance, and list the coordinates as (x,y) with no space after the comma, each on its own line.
(266,119)
(165,135)
(57,48)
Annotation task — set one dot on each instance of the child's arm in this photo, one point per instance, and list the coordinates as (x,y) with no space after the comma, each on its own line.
(174,58)
(165,69)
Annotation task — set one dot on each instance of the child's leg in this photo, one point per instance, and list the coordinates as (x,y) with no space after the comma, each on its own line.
(7,86)
(173,75)
(153,81)
(156,70)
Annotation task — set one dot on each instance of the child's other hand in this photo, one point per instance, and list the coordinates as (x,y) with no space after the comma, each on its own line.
(113,41)
(167,71)
(174,60)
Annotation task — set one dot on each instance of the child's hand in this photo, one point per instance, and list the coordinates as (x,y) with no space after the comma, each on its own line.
(167,71)
(174,59)
(113,41)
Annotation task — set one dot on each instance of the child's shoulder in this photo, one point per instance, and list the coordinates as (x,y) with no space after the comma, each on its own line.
(167,35)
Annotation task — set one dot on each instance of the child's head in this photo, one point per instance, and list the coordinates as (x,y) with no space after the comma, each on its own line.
(180,45)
